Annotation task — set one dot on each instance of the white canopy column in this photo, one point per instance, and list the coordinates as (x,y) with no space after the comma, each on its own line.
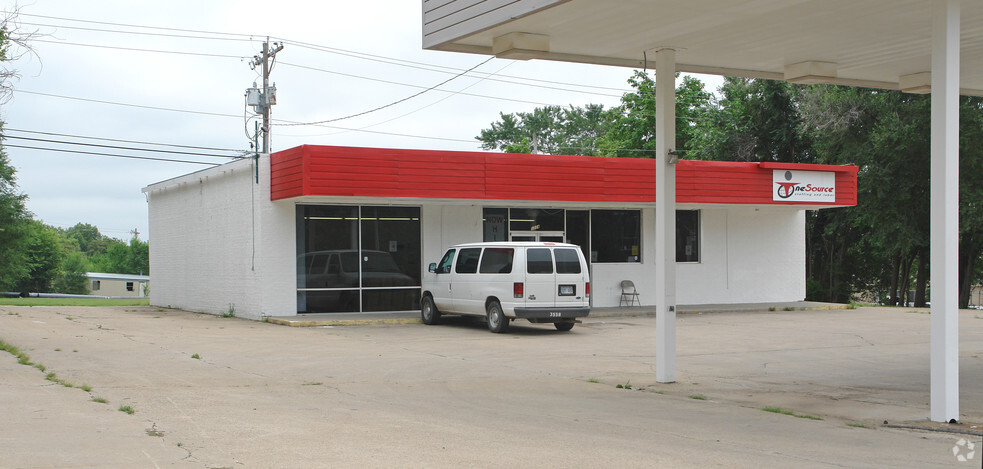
(944,388)
(665,216)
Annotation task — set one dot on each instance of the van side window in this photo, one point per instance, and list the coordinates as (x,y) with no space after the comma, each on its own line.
(539,261)
(467,261)
(567,261)
(496,261)
(445,263)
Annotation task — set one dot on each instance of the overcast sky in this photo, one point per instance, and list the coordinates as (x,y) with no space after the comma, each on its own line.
(123,70)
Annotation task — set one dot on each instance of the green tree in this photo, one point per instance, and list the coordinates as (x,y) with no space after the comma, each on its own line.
(549,130)
(42,258)
(627,130)
(90,240)
(632,131)
(124,258)
(970,196)
(71,277)
(14,217)
(755,120)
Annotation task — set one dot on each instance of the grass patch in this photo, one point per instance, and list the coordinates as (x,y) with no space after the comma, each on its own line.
(779,410)
(593,380)
(125,408)
(699,397)
(231,312)
(100,400)
(196,356)
(23,359)
(74,302)
(313,383)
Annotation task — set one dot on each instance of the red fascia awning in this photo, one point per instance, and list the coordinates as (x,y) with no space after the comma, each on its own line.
(330,171)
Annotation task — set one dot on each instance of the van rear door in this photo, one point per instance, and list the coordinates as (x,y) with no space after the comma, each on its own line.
(540,285)
(571,278)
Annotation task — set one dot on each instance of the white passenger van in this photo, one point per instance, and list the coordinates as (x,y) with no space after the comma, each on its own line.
(503,281)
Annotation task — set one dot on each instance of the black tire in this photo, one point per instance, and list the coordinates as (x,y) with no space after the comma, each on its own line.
(563,326)
(428,311)
(497,321)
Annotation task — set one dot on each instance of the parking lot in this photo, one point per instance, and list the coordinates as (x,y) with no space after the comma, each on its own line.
(839,388)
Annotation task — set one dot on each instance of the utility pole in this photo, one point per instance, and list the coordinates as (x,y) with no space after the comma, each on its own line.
(265,97)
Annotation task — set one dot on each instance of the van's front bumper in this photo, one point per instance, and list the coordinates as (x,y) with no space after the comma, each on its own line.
(552,313)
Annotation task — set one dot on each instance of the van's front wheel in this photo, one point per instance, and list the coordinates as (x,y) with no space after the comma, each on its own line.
(497,321)
(428,311)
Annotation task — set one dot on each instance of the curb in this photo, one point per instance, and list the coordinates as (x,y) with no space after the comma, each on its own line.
(341,322)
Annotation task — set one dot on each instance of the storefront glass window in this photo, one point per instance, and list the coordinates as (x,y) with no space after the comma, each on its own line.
(336,272)
(616,235)
(687,236)
(536,219)
(495,222)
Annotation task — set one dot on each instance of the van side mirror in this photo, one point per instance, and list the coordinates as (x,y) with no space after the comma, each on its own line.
(433,267)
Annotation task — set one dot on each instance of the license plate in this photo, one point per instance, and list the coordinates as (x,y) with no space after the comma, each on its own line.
(568,290)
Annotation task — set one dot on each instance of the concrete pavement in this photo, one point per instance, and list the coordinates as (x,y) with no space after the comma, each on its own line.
(261,395)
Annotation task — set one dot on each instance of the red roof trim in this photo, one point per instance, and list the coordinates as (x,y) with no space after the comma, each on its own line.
(379,172)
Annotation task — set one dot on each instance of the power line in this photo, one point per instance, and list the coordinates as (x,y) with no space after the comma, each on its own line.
(397,101)
(114,147)
(154,108)
(110,155)
(123,141)
(275,121)
(138,33)
(379,80)
(436,68)
(135,25)
(137,49)
(316,47)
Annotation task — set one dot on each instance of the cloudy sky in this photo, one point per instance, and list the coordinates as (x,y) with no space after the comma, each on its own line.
(170,76)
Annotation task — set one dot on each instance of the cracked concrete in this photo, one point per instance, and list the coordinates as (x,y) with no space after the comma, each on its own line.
(398,395)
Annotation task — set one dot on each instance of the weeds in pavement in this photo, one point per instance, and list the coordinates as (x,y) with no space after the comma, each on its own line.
(125,408)
(698,397)
(779,410)
(593,380)
(99,400)
(196,356)
(627,385)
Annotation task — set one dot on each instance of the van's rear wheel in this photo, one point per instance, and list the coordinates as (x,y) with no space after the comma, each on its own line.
(563,326)
(428,311)
(497,321)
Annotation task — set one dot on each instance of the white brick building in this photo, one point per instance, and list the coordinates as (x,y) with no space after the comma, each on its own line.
(352,229)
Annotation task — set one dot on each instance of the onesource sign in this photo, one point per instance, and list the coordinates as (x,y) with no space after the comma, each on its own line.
(803,186)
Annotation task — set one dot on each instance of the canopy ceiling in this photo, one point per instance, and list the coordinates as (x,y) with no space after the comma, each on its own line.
(872,43)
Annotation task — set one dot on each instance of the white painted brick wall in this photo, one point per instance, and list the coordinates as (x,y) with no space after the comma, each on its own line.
(202,230)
